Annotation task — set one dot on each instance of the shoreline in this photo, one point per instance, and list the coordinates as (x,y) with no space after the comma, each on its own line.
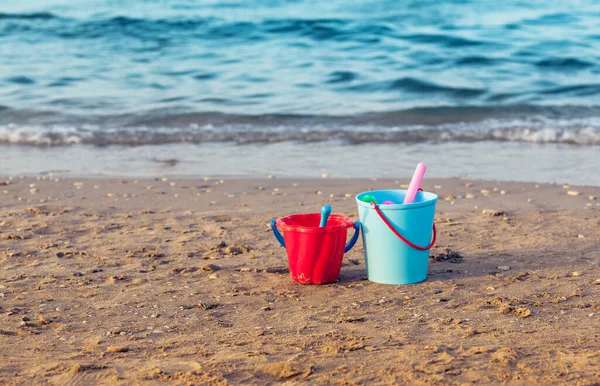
(543,163)
(161,280)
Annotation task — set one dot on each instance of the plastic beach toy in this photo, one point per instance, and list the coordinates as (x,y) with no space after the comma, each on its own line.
(369,198)
(415,183)
(388,202)
(397,238)
(325,212)
(315,252)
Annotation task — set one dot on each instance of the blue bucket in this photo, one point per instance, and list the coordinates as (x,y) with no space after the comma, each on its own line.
(397,237)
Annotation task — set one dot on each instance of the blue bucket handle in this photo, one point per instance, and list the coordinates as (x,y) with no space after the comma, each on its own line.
(278,235)
(354,237)
(348,247)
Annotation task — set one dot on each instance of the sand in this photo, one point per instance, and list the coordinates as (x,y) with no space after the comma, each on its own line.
(181,282)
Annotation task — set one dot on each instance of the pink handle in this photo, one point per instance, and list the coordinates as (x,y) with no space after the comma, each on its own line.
(415,183)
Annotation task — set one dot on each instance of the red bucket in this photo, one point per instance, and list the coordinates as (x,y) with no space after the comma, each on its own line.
(315,253)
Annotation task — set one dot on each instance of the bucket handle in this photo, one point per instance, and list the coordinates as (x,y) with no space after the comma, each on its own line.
(385,220)
(278,235)
(354,237)
(348,247)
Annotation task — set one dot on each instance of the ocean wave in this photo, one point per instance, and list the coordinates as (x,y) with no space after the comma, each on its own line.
(314,58)
(417,86)
(27,16)
(576,132)
(205,28)
(564,64)
(445,40)
(578,90)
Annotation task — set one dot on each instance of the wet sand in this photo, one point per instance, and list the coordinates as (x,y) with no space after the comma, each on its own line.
(182,282)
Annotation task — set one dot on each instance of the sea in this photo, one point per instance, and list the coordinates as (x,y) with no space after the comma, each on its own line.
(504,90)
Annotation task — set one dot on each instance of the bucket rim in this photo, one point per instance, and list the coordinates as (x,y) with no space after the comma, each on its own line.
(346,223)
(433,198)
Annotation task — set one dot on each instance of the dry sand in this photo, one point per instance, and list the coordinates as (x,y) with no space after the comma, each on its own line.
(181,282)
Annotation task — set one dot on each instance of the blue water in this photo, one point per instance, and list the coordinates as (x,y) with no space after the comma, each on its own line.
(107,72)
(301,57)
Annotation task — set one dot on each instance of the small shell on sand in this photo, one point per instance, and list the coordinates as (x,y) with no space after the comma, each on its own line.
(403,186)
(469,196)
(503,192)
(210,267)
(573,193)
(523,312)
(450,197)
(576,274)
(468,185)
(493,212)
(504,267)
(592,198)
(117,349)
(484,191)
(580,236)
(566,186)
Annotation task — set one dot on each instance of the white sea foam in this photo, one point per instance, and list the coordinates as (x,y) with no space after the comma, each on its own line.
(575,131)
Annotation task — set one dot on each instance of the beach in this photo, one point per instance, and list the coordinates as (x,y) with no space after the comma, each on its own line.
(181,281)
(146,146)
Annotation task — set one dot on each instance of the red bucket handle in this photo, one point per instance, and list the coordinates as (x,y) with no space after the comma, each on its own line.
(385,220)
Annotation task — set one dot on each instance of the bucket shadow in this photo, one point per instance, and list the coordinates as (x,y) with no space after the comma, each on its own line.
(485,264)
